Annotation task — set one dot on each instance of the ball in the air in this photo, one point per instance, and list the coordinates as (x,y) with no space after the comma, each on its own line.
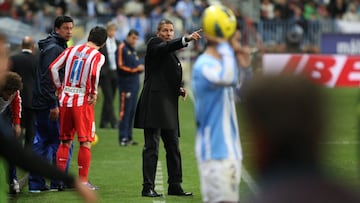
(219,21)
(96,140)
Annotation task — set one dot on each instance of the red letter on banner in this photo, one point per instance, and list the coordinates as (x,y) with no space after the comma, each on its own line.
(347,70)
(318,68)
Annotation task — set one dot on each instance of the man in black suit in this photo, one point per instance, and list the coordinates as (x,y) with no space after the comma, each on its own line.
(24,63)
(157,109)
(108,78)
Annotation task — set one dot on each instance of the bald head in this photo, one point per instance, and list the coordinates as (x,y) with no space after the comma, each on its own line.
(27,43)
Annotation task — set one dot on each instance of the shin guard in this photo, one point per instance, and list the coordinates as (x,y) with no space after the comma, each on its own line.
(84,157)
(62,156)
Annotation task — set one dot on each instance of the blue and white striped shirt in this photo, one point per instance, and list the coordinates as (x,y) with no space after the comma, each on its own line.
(217,126)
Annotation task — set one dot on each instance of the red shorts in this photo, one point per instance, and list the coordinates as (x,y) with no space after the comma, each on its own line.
(78,120)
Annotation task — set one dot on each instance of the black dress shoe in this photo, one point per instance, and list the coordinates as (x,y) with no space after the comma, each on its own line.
(150,193)
(178,191)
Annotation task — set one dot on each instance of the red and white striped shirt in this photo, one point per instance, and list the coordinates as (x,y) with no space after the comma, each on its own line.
(15,102)
(82,70)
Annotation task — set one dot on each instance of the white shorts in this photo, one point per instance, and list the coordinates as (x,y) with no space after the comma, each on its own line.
(220,180)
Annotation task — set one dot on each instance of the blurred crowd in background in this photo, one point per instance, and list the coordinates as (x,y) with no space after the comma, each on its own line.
(268,25)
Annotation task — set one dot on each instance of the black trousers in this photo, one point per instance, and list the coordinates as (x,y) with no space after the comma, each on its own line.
(27,123)
(151,152)
(109,85)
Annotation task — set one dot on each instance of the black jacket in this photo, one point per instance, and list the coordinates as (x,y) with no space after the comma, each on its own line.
(158,104)
(44,91)
(25,63)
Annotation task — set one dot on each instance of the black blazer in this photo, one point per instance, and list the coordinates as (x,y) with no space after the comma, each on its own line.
(158,103)
(25,64)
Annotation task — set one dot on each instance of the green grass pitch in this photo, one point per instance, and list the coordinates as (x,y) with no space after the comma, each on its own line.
(117,170)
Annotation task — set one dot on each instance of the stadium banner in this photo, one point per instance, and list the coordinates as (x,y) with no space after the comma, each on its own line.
(328,70)
(338,43)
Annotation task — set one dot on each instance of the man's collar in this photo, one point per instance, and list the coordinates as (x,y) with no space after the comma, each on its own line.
(27,50)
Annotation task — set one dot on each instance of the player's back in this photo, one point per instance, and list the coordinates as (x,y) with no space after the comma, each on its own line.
(81,74)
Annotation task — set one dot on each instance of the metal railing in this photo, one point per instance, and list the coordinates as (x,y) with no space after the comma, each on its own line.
(268,32)
(277,32)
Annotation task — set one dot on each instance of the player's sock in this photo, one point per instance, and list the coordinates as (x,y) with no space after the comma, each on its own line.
(84,157)
(62,155)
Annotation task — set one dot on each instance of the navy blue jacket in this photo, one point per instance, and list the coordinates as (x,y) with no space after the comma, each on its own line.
(127,60)
(44,91)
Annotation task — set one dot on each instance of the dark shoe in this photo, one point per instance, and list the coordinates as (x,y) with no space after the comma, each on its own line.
(38,190)
(178,191)
(124,143)
(131,142)
(57,188)
(150,193)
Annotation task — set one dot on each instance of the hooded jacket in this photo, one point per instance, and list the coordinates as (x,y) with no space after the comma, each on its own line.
(44,91)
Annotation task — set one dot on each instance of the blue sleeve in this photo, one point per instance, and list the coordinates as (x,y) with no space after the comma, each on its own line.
(48,56)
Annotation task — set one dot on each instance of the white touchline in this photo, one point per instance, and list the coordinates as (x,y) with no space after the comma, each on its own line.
(250,181)
(159,182)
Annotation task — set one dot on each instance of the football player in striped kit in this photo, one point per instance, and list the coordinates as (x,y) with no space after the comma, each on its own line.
(77,96)
(214,77)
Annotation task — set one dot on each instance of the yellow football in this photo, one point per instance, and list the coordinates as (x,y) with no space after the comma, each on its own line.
(96,140)
(219,21)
